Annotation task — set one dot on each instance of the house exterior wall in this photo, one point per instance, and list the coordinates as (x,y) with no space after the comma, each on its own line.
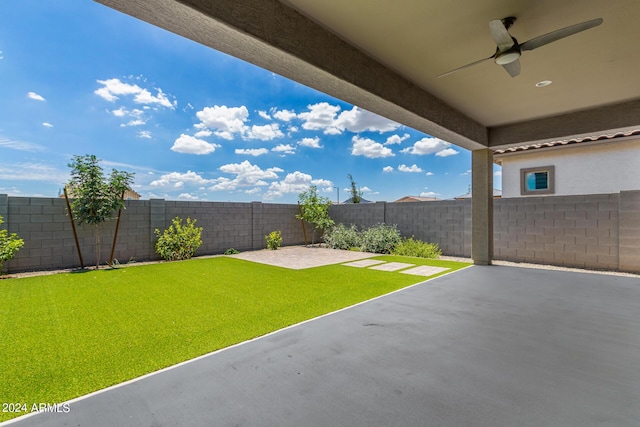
(589,168)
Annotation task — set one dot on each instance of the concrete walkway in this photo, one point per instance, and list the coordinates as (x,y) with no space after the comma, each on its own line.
(485,346)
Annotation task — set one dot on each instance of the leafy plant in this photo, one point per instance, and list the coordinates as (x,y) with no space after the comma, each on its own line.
(231,251)
(356,193)
(179,241)
(9,244)
(93,198)
(380,239)
(417,248)
(314,209)
(274,240)
(342,237)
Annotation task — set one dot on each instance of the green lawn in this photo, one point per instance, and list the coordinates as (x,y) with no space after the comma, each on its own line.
(66,335)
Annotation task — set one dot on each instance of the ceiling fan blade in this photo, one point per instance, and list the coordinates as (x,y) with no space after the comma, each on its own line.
(559,34)
(513,68)
(500,35)
(466,66)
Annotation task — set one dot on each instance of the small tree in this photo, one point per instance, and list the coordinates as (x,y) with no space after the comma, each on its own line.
(314,209)
(93,198)
(9,244)
(356,193)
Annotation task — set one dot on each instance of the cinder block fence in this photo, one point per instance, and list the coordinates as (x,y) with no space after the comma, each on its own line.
(599,231)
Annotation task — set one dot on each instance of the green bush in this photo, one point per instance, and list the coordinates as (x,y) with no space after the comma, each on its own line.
(274,240)
(342,237)
(179,241)
(417,248)
(380,239)
(231,251)
(9,245)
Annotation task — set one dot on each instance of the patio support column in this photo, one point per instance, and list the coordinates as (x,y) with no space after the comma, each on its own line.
(482,206)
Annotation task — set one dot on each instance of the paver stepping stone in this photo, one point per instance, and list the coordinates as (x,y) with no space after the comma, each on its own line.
(364,263)
(391,266)
(424,270)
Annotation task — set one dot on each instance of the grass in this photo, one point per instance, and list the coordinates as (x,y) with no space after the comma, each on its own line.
(66,335)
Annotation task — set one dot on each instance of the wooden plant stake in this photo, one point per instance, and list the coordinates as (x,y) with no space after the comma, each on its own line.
(73,227)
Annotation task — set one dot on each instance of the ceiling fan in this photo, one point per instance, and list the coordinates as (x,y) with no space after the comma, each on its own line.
(509,50)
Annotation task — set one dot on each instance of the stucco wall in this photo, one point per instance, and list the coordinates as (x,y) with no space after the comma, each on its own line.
(589,168)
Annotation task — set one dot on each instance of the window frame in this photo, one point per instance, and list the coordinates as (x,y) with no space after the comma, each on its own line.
(550,170)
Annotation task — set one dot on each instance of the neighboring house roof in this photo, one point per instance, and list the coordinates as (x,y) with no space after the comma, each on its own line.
(415,199)
(128,194)
(349,200)
(496,194)
(586,139)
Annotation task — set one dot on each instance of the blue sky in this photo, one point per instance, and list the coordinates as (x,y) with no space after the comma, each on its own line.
(190,122)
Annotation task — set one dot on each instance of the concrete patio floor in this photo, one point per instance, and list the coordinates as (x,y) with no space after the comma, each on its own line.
(485,346)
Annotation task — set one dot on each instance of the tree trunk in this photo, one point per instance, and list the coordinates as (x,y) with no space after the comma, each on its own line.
(97,230)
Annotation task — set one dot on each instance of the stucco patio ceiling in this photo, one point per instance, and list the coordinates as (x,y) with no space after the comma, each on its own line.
(385,56)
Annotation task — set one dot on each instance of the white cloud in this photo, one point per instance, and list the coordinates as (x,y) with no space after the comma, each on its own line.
(387,169)
(113,89)
(430,146)
(187,196)
(253,190)
(144,134)
(20,145)
(429,194)
(252,151)
(296,182)
(247,175)
(203,133)
(369,148)
(224,121)
(284,115)
(32,172)
(497,173)
(396,139)
(320,116)
(35,96)
(264,115)
(429,174)
(358,120)
(264,132)
(412,169)
(467,172)
(170,179)
(191,145)
(1,57)
(310,142)
(286,149)
(47,124)
(447,152)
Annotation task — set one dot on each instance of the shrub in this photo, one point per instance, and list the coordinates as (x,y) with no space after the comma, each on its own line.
(274,240)
(9,245)
(341,237)
(380,239)
(417,248)
(231,251)
(179,241)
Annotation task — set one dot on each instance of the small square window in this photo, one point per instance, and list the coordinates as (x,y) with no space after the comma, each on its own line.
(535,181)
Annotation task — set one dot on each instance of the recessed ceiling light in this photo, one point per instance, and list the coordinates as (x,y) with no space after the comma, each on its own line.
(543,83)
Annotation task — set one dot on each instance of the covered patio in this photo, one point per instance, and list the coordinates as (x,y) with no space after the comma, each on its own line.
(389,59)
(485,346)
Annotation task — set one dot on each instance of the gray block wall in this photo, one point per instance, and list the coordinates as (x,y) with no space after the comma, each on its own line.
(573,231)
(44,226)
(599,231)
